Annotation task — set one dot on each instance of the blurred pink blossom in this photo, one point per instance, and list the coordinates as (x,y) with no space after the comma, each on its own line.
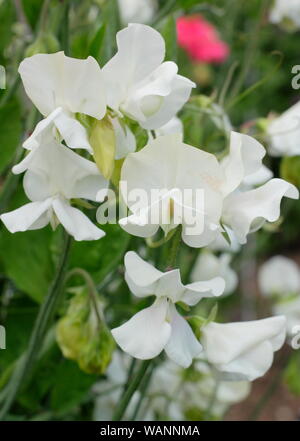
(200,39)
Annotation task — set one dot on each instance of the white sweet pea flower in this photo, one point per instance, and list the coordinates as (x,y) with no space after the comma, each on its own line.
(169,183)
(160,327)
(139,84)
(243,350)
(56,175)
(183,177)
(208,266)
(60,87)
(286,10)
(246,211)
(279,276)
(284,132)
(137,11)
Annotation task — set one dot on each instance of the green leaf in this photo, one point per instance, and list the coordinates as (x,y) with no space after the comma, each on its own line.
(27,260)
(101,256)
(10,132)
(97,42)
(71,387)
(291,374)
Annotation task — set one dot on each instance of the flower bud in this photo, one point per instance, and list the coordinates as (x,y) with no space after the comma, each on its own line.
(103,142)
(83,336)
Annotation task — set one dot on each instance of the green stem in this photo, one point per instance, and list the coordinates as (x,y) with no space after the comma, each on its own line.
(143,389)
(93,293)
(133,386)
(174,248)
(43,320)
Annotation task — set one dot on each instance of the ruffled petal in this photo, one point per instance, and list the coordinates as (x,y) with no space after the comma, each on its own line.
(182,346)
(243,350)
(241,209)
(75,222)
(245,158)
(146,334)
(55,80)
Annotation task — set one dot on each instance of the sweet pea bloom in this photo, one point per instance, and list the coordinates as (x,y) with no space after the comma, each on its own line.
(177,171)
(207,194)
(200,39)
(208,266)
(56,175)
(283,133)
(61,87)
(160,327)
(243,350)
(246,211)
(139,84)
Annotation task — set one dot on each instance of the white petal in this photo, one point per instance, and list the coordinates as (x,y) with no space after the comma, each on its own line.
(43,133)
(181,88)
(244,159)
(175,125)
(28,217)
(270,279)
(284,133)
(55,80)
(74,134)
(55,169)
(206,288)
(146,334)
(241,209)
(164,165)
(125,139)
(141,49)
(143,279)
(208,266)
(182,346)
(261,176)
(75,222)
(243,349)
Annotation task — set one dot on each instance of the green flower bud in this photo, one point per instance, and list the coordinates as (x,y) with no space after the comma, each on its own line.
(290,169)
(103,142)
(83,336)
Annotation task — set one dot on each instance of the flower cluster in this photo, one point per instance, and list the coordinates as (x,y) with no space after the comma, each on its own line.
(91,115)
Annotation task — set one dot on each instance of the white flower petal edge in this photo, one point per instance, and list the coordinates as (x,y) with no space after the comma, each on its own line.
(182,345)
(55,175)
(244,159)
(144,280)
(284,131)
(242,209)
(243,350)
(145,335)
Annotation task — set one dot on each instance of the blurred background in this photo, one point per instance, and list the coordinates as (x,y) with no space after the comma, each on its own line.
(241,55)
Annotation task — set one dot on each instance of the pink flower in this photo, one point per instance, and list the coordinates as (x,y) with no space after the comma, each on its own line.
(200,39)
